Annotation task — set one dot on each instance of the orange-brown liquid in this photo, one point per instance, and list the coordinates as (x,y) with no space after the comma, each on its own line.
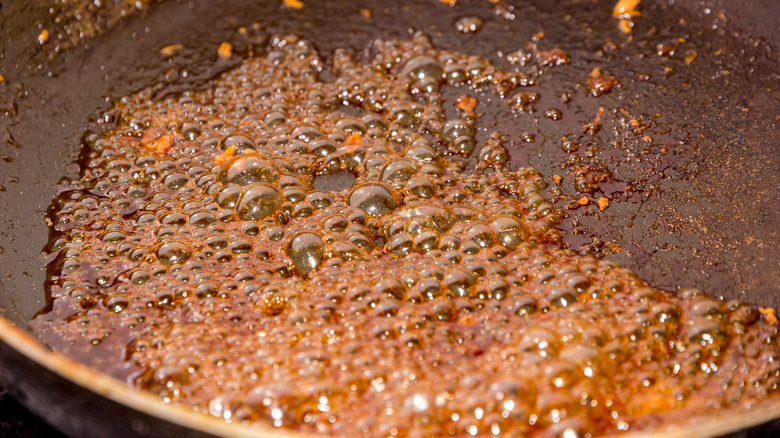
(318,255)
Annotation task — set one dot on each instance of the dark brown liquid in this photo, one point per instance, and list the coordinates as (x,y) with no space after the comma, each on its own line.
(200,258)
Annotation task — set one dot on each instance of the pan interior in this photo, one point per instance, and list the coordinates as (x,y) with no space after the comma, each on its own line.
(696,201)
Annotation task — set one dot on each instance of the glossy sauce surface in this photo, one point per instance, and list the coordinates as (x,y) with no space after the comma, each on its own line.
(310,246)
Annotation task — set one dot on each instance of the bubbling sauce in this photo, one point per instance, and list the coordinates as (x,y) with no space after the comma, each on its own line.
(203,257)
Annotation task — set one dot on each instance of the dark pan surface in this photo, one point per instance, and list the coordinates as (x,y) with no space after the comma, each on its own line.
(701,215)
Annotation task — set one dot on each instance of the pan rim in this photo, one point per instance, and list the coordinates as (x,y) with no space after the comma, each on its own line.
(117,391)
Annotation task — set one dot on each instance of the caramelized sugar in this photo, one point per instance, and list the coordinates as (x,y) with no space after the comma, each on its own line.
(214,253)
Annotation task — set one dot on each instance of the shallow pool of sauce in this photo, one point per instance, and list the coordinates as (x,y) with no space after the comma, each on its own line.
(330,249)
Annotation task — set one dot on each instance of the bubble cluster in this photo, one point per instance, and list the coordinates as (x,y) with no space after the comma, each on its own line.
(202,257)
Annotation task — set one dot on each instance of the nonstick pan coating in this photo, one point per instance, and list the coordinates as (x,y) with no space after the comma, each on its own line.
(704,216)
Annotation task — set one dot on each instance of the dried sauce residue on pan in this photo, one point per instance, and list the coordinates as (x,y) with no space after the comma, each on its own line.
(426,295)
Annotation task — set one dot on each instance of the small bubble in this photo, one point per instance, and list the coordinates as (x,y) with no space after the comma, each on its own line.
(171,253)
(468,24)
(374,199)
(422,67)
(258,201)
(306,252)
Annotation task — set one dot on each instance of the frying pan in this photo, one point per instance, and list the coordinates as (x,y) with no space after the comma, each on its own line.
(692,207)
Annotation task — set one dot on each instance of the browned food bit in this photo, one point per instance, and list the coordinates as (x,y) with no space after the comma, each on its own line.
(268,257)
(665,50)
(690,56)
(225,50)
(625,25)
(626,9)
(163,144)
(593,127)
(43,37)
(293,4)
(353,138)
(557,179)
(769,314)
(600,83)
(169,50)
(553,56)
(229,153)
(366,13)
(466,104)
(152,139)
(597,120)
